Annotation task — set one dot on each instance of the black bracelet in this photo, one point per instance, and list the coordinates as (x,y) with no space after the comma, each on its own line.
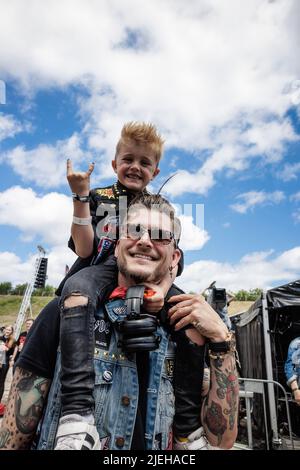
(76,197)
(223,346)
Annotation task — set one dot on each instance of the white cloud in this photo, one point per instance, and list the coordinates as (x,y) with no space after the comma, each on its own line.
(9,126)
(45,165)
(253,270)
(12,269)
(179,64)
(16,271)
(47,219)
(256,198)
(58,258)
(193,237)
(295,197)
(296,216)
(289,172)
(236,147)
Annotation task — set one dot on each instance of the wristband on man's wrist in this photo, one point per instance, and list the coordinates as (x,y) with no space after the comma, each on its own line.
(223,346)
(221,349)
(82,220)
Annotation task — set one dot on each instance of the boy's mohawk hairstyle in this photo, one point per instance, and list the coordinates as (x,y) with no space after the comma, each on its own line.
(144,133)
(141,132)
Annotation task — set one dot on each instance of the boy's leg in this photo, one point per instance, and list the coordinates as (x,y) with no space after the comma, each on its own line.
(188,378)
(79,300)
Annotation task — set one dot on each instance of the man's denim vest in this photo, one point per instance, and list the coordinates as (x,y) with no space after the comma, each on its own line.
(292,364)
(116,392)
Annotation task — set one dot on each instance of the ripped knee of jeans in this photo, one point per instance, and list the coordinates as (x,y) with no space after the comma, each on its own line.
(76,299)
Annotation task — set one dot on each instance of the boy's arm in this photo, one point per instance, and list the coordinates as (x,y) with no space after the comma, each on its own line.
(24,409)
(83,235)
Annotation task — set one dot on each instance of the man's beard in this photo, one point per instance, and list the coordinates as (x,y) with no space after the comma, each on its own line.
(138,278)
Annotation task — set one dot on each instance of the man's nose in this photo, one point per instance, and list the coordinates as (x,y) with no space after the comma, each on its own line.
(145,239)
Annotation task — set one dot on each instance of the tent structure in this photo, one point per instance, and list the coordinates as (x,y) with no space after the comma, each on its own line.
(263,335)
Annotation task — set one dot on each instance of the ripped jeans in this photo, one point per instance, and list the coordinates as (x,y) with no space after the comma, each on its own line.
(77,335)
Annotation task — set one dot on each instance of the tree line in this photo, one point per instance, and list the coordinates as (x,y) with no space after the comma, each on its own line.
(6,288)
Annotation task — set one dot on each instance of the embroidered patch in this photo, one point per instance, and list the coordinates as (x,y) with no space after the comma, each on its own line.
(120,310)
(102,331)
(106,192)
(169,365)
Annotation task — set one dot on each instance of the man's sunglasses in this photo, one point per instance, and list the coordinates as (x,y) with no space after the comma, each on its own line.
(157,236)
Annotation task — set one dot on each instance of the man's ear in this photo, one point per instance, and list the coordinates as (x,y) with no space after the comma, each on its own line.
(117,248)
(114,165)
(176,257)
(156,172)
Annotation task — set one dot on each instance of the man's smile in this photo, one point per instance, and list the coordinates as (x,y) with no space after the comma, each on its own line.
(142,256)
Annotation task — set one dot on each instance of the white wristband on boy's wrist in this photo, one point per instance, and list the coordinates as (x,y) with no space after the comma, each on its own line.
(82,220)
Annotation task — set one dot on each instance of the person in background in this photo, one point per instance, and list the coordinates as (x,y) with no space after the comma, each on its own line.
(292,368)
(21,340)
(7,344)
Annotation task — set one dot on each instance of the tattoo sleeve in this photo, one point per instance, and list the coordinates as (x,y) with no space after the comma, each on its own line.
(24,409)
(220,407)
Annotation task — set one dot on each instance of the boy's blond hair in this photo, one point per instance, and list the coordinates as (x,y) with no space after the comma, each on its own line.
(142,133)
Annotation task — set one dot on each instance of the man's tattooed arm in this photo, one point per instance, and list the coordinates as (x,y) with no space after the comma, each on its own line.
(220,407)
(24,409)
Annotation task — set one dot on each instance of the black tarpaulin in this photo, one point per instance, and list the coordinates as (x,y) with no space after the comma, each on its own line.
(287,295)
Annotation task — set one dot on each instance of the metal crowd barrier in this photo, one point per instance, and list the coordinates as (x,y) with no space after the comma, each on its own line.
(252,386)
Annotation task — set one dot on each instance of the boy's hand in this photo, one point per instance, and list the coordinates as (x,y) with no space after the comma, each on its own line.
(154,303)
(79,182)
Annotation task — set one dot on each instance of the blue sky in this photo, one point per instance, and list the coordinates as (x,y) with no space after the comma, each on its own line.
(223,90)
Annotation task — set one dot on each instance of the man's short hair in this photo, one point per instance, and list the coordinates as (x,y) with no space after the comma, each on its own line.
(160,204)
(142,133)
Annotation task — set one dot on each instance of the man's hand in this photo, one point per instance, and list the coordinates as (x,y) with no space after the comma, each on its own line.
(193,309)
(79,182)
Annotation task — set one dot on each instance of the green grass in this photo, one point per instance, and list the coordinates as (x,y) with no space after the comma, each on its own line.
(10,306)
